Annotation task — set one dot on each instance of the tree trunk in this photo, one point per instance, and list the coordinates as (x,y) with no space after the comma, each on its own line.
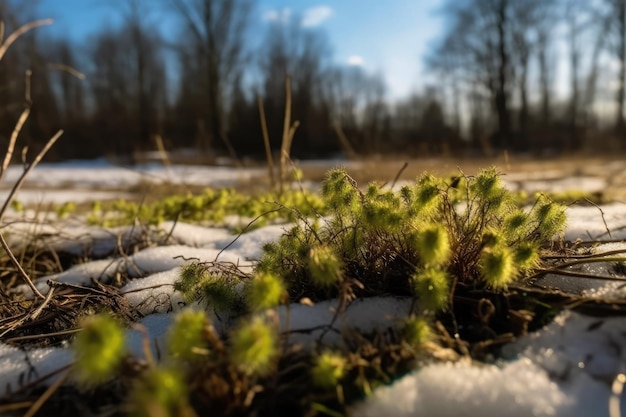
(501,96)
(544,79)
(621,54)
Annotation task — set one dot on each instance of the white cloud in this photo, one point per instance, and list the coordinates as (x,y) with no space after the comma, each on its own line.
(278,16)
(315,16)
(355,61)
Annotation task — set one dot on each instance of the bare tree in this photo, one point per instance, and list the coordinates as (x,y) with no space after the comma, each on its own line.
(479,39)
(213,58)
(304,55)
(128,85)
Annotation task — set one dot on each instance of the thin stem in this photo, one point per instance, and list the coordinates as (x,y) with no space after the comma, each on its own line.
(266,142)
(19,32)
(30,167)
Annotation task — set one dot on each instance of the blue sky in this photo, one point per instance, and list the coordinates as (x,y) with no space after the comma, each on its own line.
(387,36)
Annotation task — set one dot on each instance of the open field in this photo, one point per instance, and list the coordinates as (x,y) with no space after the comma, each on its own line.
(570,367)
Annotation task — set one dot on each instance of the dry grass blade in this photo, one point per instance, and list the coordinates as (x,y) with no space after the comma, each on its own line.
(289,131)
(266,142)
(19,32)
(15,188)
(18,126)
(68,69)
(614,400)
(33,164)
(46,395)
(16,131)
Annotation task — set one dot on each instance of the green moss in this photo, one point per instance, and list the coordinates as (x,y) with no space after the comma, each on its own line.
(100,349)
(472,230)
(433,245)
(160,392)
(185,338)
(265,290)
(417,331)
(432,287)
(254,348)
(209,207)
(328,369)
(497,266)
(325,267)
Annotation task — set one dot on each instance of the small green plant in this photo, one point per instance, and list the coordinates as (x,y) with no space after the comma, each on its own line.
(209,207)
(254,346)
(433,287)
(160,392)
(417,331)
(211,283)
(328,369)
(421,240)
(186,339)
(17,206)
(325,267)
(265,290)
(428,240)
(65,209)
(100,349)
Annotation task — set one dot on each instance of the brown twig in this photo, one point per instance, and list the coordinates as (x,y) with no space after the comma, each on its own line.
(70,70)
(289,131)
(15,188)
(46,395)
(19,32)
(29,168)
(18,126)
(602,214)
(266,142)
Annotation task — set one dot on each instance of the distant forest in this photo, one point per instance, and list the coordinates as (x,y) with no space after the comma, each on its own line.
(496,64)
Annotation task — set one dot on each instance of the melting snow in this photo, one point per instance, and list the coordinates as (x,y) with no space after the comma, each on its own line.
(565,369)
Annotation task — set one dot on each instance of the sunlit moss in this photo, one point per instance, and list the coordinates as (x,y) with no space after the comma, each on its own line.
(254,347)
(219,293)
(17,205)
(265,290)
(328,369)
(191,275)
(432,287)
(324,266)
(417,331)
(100,349)
(497,266)
(160,392)
(526,256)
(185,338)
(550,217)
(433,245)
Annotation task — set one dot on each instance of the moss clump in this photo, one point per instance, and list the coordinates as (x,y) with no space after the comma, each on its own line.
(419,240)
(100,350)
(160,392)
(455,247)
(254,346)
(211,283)
(210,207)
(417,331)
(265,290)
(185,339)
(328,369)
(432,286)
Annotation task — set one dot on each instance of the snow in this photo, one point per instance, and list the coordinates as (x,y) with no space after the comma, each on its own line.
(564,369)
(100,174)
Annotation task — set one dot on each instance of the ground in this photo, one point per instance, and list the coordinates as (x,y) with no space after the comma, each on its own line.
(564,369)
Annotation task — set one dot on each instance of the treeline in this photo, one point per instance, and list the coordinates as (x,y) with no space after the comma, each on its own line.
(198,82)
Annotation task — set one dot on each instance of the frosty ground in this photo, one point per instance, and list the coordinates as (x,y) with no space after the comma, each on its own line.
(565,369)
